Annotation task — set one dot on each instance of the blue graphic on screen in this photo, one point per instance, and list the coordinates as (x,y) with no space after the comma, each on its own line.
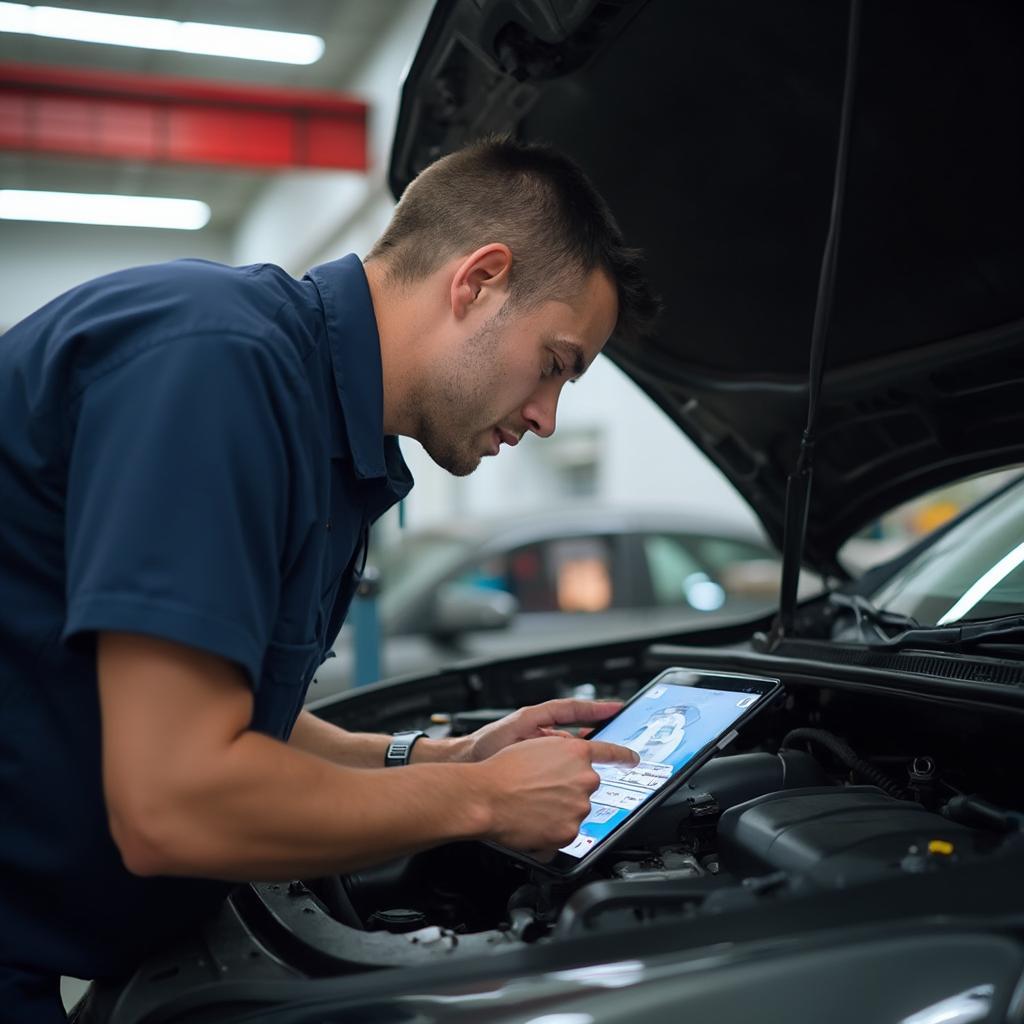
(667,727)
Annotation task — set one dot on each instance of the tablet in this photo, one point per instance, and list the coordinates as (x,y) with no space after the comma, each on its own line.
(676,723)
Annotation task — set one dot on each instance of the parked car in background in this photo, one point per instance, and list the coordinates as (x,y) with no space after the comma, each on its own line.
(498,587)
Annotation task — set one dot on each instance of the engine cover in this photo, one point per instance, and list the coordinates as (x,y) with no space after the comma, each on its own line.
(857,829)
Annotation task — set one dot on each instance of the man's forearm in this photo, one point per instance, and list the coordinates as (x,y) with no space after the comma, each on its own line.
(270,810)
(365,749)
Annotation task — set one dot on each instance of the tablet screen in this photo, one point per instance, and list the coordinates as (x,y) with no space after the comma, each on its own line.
(667,725)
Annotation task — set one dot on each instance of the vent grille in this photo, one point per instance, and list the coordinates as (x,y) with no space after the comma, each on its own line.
(924,663)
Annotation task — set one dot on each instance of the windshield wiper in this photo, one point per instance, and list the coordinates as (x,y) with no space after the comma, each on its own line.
(954,637)
(875,628)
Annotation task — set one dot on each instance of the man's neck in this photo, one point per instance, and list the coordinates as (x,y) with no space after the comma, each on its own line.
(394,308)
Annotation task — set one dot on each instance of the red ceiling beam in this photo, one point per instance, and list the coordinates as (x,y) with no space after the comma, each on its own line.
(117,116)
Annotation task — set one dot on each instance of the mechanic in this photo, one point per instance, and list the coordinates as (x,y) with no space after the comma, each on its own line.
(190,459)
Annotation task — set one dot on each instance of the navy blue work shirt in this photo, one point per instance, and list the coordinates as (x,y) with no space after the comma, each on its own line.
(187,451)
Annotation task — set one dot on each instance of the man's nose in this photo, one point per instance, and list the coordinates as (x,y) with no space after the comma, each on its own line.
(539,413)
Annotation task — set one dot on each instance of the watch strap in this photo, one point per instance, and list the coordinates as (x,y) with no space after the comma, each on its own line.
(400,748)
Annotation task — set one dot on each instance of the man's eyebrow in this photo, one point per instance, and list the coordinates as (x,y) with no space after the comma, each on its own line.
(572,353)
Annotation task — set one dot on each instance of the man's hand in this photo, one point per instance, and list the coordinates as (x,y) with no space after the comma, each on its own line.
(548,719)
(539,789)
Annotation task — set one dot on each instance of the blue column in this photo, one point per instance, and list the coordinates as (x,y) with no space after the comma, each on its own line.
(365,622)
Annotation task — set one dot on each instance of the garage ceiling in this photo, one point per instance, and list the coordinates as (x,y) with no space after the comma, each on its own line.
(351,29)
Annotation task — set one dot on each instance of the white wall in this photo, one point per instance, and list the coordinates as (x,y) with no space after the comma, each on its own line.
(302,219)
(40,261)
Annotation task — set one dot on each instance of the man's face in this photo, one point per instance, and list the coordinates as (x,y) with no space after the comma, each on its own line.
(505,378)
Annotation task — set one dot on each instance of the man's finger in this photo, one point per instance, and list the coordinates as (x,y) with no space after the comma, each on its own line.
(546,731)
(611,753)
(567,711)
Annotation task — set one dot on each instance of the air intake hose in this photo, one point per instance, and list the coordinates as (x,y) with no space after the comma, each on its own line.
(848,756)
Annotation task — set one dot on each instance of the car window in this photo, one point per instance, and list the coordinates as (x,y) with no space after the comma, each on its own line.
(565,575)
(670,564)
(701,572)
(720,554)
(972,571)
(678,576)
(907,524)
(582,570)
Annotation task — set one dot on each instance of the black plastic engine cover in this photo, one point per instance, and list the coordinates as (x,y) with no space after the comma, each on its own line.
(858,828)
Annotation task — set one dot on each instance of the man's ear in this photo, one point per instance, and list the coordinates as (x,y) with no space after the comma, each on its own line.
(482,277)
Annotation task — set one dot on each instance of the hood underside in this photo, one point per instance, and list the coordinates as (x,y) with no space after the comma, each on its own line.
(710,126)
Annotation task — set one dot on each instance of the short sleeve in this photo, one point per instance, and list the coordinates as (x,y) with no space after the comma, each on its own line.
(177,501)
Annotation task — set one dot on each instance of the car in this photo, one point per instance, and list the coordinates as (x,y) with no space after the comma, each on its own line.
(496,587)
(830,199)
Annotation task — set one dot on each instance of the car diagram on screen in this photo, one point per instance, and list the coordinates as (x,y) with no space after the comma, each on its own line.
(660,737)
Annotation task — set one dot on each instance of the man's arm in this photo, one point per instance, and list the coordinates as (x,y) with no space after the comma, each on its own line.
(191,790)
(366,749)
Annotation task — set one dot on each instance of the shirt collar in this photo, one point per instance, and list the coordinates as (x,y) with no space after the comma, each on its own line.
(354,347)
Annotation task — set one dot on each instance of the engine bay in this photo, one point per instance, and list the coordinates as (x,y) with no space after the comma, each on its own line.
(837,792)
(866,799)
(747,827)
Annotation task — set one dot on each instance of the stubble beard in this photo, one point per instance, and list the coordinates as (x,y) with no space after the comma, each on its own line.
(453,400)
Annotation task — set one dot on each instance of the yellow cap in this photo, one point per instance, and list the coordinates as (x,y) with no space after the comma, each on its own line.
(439,718)
(940,846)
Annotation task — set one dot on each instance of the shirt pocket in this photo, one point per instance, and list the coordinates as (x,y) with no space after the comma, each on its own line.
(286,672)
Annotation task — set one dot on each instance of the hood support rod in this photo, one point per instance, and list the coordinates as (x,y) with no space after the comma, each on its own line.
(798,485)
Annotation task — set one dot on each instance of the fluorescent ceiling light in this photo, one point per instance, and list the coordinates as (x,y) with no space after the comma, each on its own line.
(161,34)
(988,582)
(90,208)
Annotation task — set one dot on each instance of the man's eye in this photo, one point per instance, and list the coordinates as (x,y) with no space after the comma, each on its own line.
(554,369)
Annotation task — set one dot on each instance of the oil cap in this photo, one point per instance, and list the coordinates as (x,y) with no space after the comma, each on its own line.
(397,921)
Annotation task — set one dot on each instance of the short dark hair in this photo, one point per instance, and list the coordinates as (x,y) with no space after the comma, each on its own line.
(533,199)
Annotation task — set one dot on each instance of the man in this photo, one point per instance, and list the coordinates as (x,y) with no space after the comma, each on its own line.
(190,459)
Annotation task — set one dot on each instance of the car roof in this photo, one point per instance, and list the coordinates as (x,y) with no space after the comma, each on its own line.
(502,532)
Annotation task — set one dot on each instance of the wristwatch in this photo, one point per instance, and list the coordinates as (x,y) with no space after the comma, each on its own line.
(400,748)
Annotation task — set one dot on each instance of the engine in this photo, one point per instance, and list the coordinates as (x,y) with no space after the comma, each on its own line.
(748,830)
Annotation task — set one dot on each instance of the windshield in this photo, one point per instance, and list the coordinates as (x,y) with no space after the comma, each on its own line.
(974,571)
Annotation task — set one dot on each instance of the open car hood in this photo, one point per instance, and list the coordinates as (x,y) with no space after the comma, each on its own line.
(711,129)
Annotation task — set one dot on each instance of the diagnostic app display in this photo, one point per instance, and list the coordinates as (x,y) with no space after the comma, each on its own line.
(667,726)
